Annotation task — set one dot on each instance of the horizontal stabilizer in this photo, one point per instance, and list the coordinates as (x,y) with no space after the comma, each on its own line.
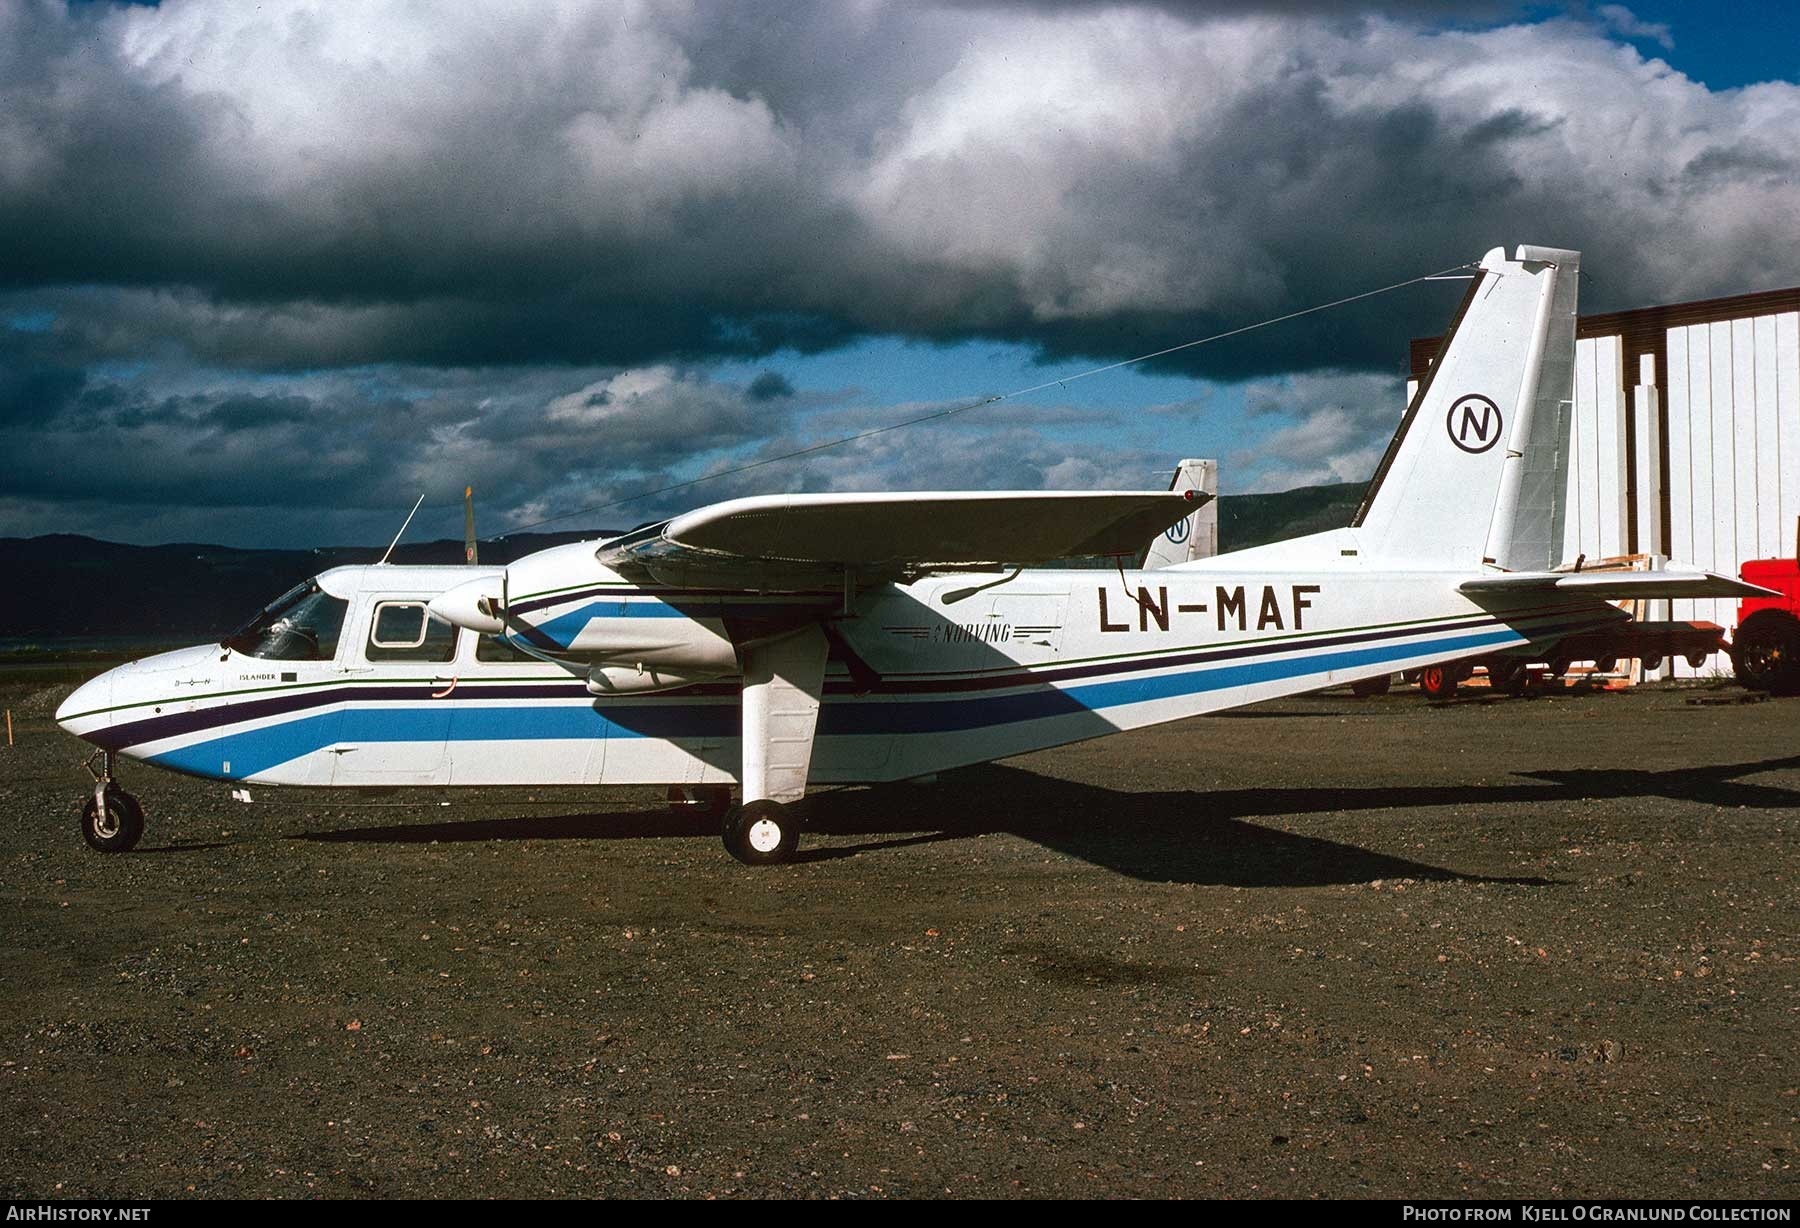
(1617,585)
(797,541)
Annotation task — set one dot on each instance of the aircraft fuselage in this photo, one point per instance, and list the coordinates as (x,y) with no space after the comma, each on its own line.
(950,670)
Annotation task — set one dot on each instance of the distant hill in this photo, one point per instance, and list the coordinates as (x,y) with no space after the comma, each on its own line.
(65,587)
(1255,520)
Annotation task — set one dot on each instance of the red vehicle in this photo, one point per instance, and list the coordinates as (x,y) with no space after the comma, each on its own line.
(1765,651)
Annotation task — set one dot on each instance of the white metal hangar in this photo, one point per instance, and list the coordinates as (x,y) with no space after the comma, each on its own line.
(1686,439)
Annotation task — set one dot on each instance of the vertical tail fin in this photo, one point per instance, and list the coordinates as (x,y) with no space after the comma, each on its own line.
(1474,474)
(1197,537)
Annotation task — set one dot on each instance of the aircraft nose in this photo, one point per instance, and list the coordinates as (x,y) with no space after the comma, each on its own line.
(469,605)
(87,707)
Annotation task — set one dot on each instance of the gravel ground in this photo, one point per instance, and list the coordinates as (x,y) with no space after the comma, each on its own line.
(1322,947)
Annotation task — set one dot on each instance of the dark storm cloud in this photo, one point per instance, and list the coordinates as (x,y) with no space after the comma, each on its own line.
(343,448)
(770,386)
(37,395)
(314,187)
(377,246)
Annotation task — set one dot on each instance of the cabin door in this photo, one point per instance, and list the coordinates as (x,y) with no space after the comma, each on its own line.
(400,673)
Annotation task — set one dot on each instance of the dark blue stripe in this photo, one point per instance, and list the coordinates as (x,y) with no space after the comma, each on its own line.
(153,729)
(252,751)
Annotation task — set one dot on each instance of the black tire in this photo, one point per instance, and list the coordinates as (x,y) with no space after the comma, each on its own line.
(1438,681)
(762,833)
(121,826)
(1606,665)
(1650,663)
(1368,688)
(1765,653)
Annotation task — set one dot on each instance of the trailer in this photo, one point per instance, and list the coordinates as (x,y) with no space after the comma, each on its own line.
(1649,643)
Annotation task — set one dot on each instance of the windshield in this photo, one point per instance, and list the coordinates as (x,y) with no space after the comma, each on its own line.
(300,625)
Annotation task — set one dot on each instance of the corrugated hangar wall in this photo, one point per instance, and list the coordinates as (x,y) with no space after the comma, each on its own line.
(1685,439)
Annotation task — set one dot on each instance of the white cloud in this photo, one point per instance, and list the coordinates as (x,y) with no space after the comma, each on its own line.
(512,237)
(1623,21)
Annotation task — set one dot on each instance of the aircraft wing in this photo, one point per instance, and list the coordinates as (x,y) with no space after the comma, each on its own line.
(1617,585)
(810,541)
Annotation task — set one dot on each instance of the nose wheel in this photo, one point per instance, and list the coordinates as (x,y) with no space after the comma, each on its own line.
(762,833)
(112,820)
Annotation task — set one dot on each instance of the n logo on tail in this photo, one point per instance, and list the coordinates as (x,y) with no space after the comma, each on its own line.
(1474,423)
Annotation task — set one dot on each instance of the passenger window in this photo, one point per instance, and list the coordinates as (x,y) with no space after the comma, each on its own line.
(405,631)
(496,648)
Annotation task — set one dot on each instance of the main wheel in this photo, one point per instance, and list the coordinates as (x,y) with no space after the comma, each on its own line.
(1367,688)
(1438,681)
(762,833)
(1765,653)
(115,829)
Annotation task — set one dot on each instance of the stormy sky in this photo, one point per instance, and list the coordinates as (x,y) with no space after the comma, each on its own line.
(271,271)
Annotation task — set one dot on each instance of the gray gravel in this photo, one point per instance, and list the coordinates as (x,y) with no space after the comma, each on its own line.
(1322,947)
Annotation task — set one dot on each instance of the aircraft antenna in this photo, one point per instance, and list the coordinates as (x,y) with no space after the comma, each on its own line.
(403,524)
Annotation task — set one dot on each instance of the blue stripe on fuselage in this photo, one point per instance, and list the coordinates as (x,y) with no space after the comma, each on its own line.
(257,750)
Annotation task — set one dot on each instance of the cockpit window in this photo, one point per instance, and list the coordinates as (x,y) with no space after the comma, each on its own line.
(303,624)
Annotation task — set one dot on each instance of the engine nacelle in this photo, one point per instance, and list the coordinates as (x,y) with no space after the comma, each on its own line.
(562,603)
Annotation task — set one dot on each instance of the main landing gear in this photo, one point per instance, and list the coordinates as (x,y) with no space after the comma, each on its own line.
(762,833)
(112,820)
(784,675)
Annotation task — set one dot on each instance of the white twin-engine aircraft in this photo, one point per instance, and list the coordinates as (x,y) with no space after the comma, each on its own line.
(780,642)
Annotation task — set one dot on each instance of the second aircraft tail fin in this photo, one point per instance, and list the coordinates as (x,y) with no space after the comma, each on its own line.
(1197,537)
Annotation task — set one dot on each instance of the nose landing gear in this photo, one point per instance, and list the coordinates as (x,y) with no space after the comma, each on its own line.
(112,820)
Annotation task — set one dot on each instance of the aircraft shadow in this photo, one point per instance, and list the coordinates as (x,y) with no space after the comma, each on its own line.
(595,825)
(1186,837)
